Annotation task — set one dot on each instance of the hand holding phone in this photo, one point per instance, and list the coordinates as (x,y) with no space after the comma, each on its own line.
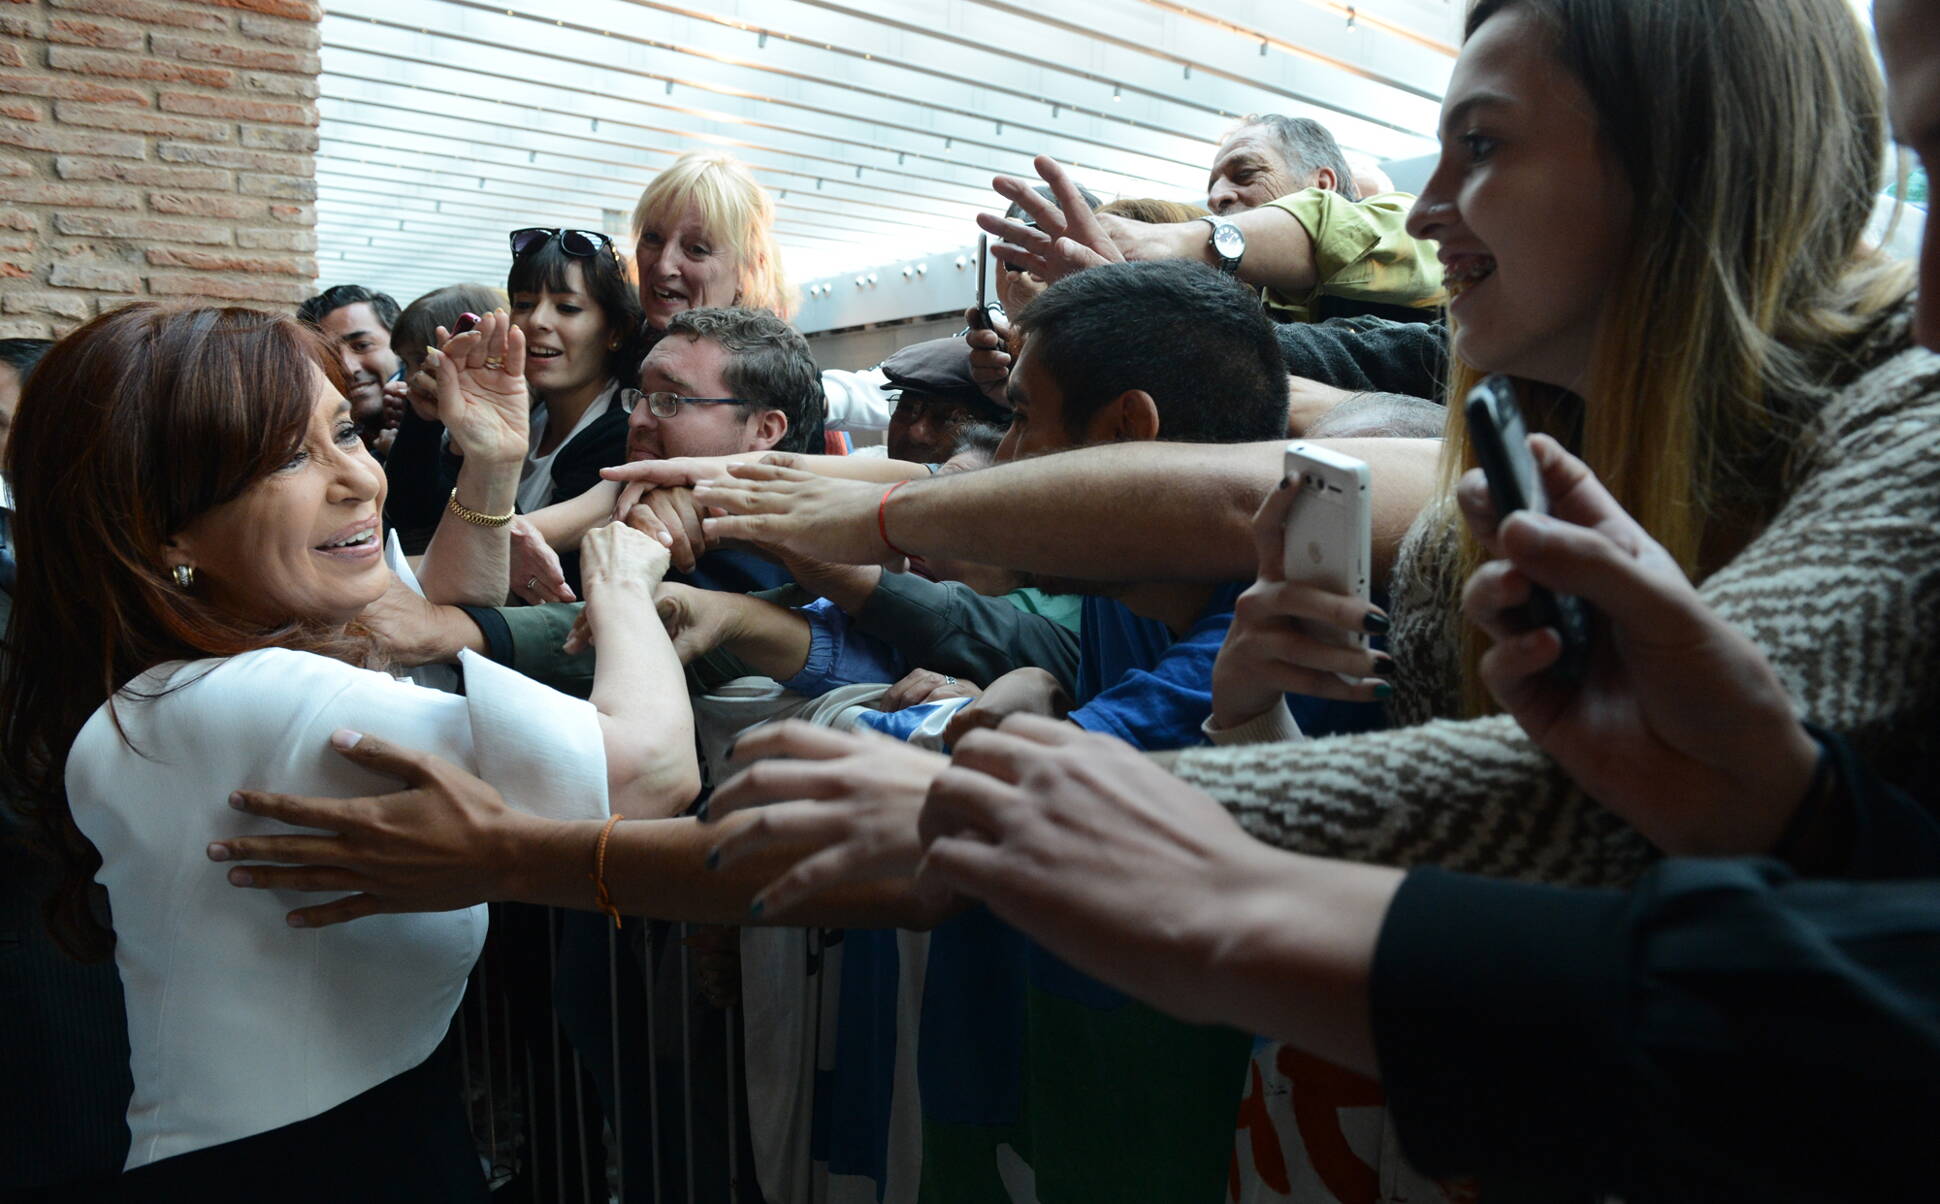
(980,315)
(1330,534)
(1501,439)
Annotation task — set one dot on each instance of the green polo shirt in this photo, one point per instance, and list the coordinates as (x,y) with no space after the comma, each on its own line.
(1362,252)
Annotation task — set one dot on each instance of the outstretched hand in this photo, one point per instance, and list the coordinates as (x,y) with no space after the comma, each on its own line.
(1067,237)
(854,797)
(482,396)
(796,514)
(1145,882)
(1680,725)
(443,841)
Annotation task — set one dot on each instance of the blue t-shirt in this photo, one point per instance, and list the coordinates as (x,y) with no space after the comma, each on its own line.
(1136,682)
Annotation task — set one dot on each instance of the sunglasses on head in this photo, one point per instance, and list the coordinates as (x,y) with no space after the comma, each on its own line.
(583,243)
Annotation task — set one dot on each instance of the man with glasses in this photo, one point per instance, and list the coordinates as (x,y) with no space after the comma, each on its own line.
(720,382)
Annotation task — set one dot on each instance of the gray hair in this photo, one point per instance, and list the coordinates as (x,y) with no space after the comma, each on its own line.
(1308,146)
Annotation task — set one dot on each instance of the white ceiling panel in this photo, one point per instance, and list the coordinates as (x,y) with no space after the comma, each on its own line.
(446,123)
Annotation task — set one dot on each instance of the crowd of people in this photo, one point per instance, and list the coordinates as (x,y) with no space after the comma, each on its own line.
(1065,843)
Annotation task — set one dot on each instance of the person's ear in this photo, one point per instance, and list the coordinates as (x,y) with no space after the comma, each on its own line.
(1326,180)
(1131,417)
(768,429)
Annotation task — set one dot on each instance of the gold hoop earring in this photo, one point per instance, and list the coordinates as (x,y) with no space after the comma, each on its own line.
(184,576)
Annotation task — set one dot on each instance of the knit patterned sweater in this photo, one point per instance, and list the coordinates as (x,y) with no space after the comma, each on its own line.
(1841,590)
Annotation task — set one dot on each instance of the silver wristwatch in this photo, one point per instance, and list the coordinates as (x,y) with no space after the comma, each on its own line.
(1228,244)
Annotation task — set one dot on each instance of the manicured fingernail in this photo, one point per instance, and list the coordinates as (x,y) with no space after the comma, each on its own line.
(727,754)
(241,877)
(756,908)
(344,738)
(218,852)
(1286,482)
(1376,622)
(236,800)
(713,859)
(701,812)
(1384,667)
(296,921)
(1383,691)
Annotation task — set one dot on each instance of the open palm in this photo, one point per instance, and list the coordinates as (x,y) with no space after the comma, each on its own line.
(482,395)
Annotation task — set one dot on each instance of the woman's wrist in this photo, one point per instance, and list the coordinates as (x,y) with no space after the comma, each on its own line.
(488,487)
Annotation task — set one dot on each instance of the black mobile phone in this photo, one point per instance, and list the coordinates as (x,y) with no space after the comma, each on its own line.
(1501,439)
(980,316)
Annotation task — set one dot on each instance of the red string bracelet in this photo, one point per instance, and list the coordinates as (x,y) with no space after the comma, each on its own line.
(882,520)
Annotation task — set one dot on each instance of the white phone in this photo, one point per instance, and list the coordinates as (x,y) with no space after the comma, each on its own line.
(1330,533)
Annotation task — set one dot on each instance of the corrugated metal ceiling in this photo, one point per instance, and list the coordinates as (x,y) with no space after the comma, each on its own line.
(446,123)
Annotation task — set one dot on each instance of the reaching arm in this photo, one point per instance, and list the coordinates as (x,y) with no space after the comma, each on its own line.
(1065,236)
(564,524)
(1126,512)
(639,688)
(446,840)
(772,640)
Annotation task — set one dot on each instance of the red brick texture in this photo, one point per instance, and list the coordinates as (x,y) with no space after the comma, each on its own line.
(154,148)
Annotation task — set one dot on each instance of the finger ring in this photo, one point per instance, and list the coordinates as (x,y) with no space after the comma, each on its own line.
(495,361)
(532,583)
(949,681)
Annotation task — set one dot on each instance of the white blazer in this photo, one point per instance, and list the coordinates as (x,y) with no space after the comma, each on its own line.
(237,1023)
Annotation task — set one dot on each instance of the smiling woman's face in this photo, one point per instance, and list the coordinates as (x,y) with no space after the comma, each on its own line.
(1529,204)
(683,265)
(303,543)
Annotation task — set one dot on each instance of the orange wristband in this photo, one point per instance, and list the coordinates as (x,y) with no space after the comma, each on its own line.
(604,899)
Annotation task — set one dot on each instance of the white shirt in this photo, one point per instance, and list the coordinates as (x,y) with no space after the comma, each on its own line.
(237,1023)
(856,401)
(535,480)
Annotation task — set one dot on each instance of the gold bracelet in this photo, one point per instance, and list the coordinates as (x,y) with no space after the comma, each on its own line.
(474,517)
(601,898)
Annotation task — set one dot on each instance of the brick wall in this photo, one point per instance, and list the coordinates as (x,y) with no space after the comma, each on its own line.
(158,148)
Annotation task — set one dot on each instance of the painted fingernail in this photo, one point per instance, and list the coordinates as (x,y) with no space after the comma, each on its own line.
(1383,691)
(218,852)
(1376,622)
(344,738)
(236,800)
(713,859)
(1384,667)
(296,921)
(756,908)
(1286,482)
(701,812)
(241,877)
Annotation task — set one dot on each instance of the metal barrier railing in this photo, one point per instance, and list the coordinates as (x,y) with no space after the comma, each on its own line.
(558,1119)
